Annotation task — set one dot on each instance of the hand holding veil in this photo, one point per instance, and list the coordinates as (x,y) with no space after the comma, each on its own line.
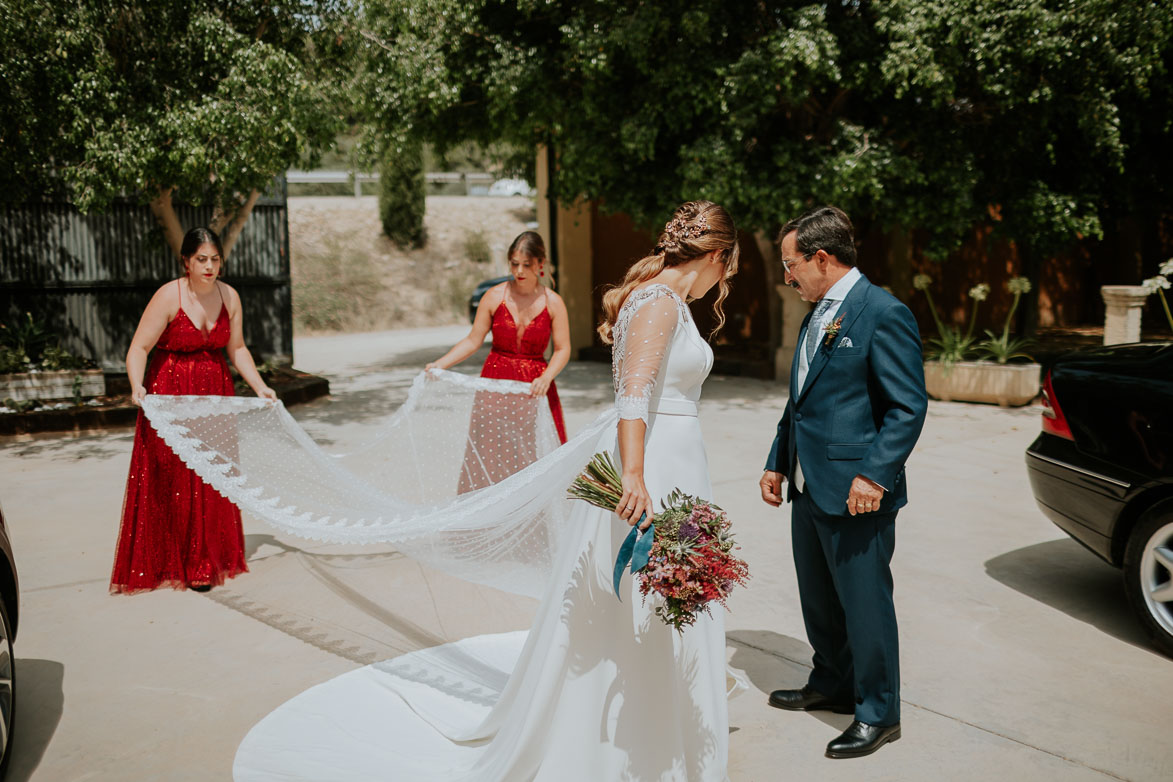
(401,487)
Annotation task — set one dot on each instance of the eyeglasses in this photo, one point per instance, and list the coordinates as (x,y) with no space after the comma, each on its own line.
(787,263)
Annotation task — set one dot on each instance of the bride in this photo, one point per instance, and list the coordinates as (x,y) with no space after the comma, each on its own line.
(601,690)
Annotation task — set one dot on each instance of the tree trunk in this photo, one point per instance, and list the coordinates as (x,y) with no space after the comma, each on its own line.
(786,308)
(1032,268)
(900,263)
(230,224)
(164,212)
(770,256)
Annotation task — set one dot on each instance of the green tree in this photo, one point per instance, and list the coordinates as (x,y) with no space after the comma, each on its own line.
(932,116)
(401,193)
(205,101)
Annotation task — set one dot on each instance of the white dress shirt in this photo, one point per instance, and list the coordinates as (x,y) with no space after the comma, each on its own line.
(836,296)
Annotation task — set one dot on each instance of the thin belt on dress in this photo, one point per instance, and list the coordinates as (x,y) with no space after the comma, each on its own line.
(672,407)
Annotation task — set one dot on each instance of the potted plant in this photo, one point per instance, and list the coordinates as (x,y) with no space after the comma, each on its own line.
(34,366)
(992,377)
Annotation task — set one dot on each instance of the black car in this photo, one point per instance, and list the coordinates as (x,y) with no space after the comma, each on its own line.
(9,612)
(478,293)
(1102,468)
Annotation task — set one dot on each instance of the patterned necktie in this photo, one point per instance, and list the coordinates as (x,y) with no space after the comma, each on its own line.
(814,329)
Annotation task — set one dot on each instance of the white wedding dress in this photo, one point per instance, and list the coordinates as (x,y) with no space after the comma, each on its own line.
(599,689)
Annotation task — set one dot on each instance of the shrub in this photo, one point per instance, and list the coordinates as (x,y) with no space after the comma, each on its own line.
(401,194)
(476,247)
(29,344)
(12,360)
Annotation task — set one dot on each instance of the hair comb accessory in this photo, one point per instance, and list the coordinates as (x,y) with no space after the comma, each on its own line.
(681,229)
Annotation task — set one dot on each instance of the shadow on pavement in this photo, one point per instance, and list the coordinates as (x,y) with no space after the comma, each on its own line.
(1065,576)
(773,661)
(40,701)
(335,636)
(66,446)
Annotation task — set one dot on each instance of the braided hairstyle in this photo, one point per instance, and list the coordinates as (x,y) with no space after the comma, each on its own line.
(696,228)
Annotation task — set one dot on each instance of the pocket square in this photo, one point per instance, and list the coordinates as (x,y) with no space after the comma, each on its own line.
(846,343)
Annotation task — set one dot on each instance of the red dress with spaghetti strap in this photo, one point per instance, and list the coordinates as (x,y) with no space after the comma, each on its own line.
(176,530)
(522,356)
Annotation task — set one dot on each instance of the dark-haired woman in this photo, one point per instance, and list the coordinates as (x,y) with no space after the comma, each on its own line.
(177,531)
(523,315)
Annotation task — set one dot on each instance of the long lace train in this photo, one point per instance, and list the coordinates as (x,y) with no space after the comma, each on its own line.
(404,485)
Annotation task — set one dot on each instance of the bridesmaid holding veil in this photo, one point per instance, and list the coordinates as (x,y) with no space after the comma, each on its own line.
(176,530)
(523,315)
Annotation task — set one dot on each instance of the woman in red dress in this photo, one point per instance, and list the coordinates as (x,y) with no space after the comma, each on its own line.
(523,315)
(176,530)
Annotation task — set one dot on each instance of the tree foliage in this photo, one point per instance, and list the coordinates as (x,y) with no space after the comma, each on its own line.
(202,100)
(402,194)
(937,115)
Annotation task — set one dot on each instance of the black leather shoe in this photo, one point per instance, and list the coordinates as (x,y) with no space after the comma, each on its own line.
(201,588)
(807,699)
(862,739)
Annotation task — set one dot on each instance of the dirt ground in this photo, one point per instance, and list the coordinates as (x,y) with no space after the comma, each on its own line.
(348,277)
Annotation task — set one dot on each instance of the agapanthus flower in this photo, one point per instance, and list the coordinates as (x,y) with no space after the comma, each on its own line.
(1018,285)
(1166,267)
(1154,284)
(979,292)
(922,281)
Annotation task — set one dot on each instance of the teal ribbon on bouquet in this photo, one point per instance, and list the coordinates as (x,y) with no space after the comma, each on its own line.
(636,549)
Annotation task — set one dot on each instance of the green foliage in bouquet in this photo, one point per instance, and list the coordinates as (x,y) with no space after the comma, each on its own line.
(599,484)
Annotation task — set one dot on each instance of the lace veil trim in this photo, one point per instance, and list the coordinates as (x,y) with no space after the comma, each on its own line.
(466,476)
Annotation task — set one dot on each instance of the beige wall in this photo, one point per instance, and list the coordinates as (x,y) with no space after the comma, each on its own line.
(574,254)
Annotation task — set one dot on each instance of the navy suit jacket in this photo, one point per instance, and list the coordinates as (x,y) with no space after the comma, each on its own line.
(862,407)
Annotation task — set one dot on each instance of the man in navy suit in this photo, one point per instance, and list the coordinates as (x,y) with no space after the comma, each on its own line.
(856,408)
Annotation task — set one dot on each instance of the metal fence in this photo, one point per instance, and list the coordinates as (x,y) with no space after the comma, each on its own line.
(89,277)
(469,181)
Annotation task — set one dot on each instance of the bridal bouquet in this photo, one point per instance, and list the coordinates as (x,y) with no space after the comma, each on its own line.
(686,557)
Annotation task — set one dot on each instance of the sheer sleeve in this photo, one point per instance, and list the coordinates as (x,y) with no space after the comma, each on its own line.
(645,341)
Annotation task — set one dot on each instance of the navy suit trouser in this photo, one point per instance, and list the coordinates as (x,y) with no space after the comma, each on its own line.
(845,587)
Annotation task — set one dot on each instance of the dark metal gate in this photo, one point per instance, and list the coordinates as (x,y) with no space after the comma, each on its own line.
(89,277)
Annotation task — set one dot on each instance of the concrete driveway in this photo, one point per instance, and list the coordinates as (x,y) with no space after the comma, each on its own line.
(1020,659)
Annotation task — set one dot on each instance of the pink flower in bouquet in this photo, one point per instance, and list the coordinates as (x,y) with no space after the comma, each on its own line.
(691,563)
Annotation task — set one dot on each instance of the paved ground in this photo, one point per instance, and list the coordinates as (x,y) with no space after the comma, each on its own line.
(1020,659)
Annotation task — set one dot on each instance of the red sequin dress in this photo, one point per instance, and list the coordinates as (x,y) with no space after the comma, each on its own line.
(522,356)
(176,530)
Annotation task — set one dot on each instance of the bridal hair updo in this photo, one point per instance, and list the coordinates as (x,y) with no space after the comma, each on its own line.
(696,228)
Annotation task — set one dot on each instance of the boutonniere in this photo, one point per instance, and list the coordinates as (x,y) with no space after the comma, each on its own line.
(832,331)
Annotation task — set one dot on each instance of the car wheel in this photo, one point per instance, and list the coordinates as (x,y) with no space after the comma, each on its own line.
(7,689)
(1148,574)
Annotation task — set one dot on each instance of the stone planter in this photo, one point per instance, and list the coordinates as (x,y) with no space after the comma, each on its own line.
(1008,385)
(51,385)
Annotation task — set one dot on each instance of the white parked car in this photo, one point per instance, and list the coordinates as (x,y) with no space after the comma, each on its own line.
(511,187)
